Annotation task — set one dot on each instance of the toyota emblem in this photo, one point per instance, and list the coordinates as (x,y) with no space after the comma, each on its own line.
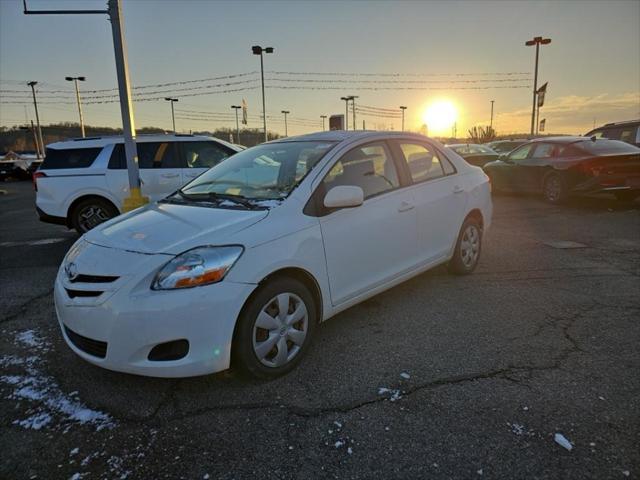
(72,271)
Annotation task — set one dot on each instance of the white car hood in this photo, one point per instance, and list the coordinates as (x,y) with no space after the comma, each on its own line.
(172,229)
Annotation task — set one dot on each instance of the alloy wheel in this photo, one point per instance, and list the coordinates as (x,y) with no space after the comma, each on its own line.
(470,246)
(553,189)
(280,330)
(91,216)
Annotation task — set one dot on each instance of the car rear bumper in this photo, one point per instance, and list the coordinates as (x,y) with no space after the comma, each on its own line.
(609,183)
(46,218)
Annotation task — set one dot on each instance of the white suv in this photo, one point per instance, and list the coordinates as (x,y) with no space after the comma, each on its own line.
(83,182)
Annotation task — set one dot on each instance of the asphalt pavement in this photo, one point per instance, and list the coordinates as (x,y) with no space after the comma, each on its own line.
(484,376)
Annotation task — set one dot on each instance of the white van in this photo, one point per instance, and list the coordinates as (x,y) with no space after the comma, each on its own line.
(83,182)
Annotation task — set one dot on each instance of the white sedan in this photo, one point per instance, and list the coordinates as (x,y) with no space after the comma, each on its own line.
(240,265)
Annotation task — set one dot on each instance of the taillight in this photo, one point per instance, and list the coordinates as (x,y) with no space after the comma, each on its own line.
(36,175)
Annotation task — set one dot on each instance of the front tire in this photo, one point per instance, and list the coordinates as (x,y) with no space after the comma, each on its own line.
(274,329)
(90,213)
(467,251)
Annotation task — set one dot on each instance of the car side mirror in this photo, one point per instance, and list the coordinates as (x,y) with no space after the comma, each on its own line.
(344,196)
(504,157)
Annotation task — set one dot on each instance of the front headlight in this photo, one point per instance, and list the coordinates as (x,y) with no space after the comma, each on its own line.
(196,267)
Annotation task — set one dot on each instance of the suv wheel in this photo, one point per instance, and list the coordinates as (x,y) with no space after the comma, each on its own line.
(554,189)
(274,329)
(90,213)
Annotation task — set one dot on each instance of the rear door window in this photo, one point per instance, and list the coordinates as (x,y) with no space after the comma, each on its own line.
(69,158)
(150,155)
(423,162)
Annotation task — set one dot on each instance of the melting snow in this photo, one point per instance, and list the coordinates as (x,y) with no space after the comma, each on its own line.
(393,394)
(405,375)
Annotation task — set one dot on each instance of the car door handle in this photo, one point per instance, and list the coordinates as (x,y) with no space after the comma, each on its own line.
(405,207)
(458,189)
(170,175)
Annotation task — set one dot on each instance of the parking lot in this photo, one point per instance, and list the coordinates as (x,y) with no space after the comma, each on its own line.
(441,377)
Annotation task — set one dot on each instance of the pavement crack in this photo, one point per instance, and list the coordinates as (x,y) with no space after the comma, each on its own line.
(22,308)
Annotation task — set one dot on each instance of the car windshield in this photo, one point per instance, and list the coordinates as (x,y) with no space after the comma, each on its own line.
(603,147)
(266,172)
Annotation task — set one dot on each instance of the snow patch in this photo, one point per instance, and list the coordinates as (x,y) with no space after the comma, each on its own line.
(391,393)
(562,441)
(405,375)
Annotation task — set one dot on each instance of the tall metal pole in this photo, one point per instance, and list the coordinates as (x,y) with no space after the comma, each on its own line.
(236,108)
(264,107)
(75,81)
(173,118)
(353,104)
(35,106)
(323,117)
(403,108)
(135,199)
(346,111)
(35,140)
(535,89)
(286,132)
(491,122)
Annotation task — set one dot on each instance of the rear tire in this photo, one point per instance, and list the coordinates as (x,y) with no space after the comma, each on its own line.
(468,247)
(274,329)
(90,213)
(554,189)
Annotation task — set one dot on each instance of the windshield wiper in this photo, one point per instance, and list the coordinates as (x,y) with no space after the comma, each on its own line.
(238,199)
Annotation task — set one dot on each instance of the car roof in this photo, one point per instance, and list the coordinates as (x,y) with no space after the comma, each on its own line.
(98,142)
(560,139)
(464,144)
(343,135)
(624,122)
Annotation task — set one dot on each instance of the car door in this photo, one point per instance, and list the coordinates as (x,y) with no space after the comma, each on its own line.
(198,157)
(439,198)
(537,166)
(511,173)
(159,167)
(369,245)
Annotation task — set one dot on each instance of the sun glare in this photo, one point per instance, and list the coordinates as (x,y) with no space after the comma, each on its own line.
(440,117)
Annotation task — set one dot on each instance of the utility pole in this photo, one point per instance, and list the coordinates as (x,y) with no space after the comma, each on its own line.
(236,108)
(75,81)
(258,50)
(491,123)
(35,106)
(286,132)
(537,41)
(346,111)
(173,115)
(353,104)
(114,11)
(323,117)
(403,108)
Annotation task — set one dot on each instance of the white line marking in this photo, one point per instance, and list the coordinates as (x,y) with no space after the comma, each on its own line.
(45,241)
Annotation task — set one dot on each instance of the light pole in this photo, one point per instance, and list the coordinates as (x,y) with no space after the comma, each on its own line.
(353,105)
(537,41)
(323,117)
(286,132)
(75,80)
(258,50)
(35,106)
(403,108)
(173,116)
(346,111)
(236,108)
(491,122)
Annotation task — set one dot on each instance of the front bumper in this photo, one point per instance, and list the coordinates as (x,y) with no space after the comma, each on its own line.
(131,319)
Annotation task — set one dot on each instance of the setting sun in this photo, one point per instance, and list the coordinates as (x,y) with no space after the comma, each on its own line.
(440,116)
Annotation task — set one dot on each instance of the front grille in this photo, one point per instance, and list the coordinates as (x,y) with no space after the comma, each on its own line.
(87,345)
(83,293)
(93,279)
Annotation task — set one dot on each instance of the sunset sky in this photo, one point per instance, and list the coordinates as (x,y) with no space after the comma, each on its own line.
(592,64)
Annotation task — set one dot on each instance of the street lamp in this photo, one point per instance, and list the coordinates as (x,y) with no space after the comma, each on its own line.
(236,108)
(323,117)
(346,111)
(537,41)
(258,50)
(286,132)
(75,80)
(39,149)
(403,108)
(173,116)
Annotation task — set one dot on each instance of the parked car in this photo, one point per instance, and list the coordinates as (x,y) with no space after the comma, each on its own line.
(474,154)
(625,131)
(18,166)
(242,263)
(558,167)
(83,182)
(505,146)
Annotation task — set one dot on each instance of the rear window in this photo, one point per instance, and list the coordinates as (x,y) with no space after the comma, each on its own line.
(602,147)
(69,158)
